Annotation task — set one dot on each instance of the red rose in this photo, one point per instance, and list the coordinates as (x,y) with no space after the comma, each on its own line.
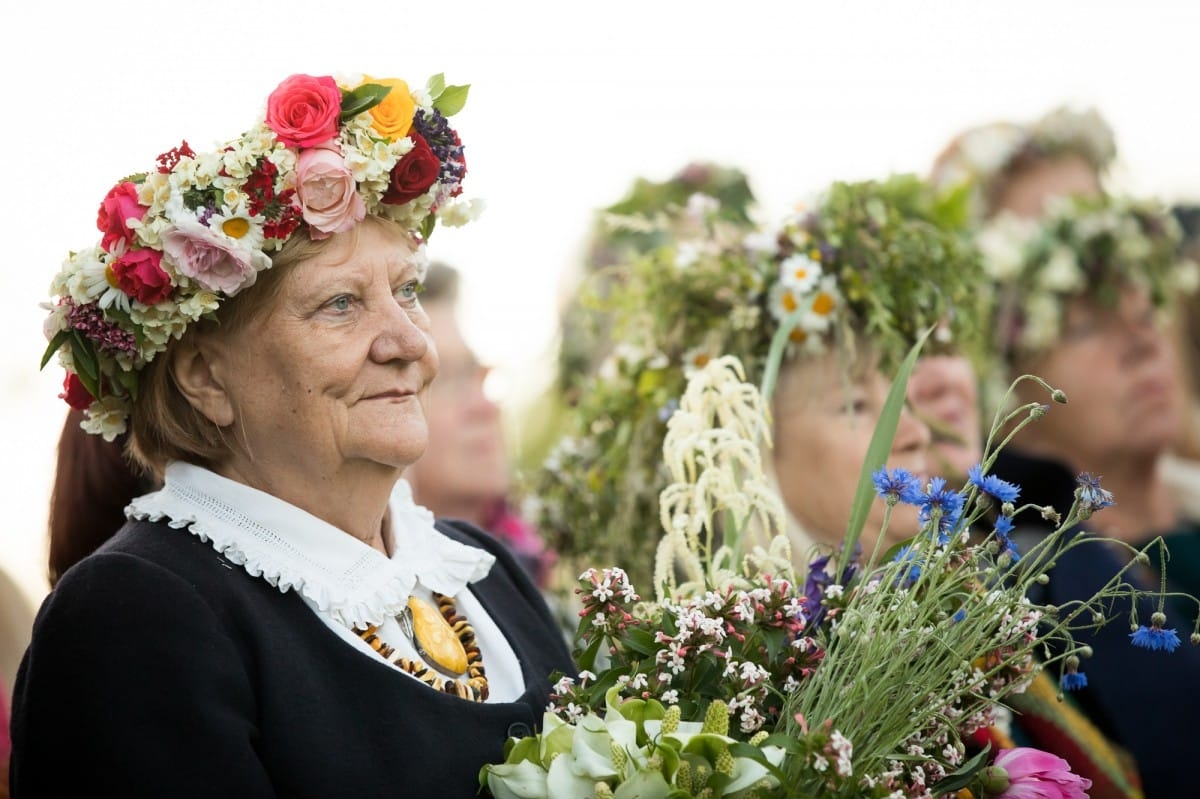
(118,207)
(303,110)
(74,393)
(414,173)
(140,275)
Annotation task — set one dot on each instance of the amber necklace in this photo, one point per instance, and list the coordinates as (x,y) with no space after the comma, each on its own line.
(445,641)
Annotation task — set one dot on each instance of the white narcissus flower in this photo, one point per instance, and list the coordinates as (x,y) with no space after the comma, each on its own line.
(1062,272)
(1002,244)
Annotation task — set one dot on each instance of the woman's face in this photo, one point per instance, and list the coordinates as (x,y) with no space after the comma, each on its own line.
(467,462)
(1123,398)
(334,374)
(823,426)
(944,393)
(1068,175)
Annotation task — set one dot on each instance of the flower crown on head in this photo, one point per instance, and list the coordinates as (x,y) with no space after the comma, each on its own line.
(198,228)
(872,259)
(977,160)
(1082,247)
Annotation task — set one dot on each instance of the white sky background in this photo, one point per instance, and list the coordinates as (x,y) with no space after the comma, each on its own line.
(569,103)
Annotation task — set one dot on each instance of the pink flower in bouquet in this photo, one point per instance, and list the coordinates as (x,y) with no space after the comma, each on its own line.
(327,191)
(140,275)
(1025,773)
(213,260)
(303,111)
(118,207)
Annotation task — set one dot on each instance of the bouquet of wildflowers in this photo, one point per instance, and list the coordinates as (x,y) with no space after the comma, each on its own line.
(870,677)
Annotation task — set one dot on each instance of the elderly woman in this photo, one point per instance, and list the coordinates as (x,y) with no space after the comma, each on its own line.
(281,618)
(1079,300)
(1002,168)
(857,280)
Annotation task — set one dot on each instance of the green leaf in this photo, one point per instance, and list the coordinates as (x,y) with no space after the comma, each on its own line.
(84,355)
(586,658)
(435,85)
(779,343)
(452,100)
(641,641)
(363,98)
(427,225)
(877,451)
(54,346)
(963,776)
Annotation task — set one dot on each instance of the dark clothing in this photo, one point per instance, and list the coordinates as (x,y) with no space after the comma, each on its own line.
(158,668)
(1146,701)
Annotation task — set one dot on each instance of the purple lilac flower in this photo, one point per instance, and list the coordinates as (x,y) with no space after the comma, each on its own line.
(109,337)
(436,130)
(818,580)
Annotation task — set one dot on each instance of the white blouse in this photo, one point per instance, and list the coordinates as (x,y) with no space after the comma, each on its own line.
(346,582)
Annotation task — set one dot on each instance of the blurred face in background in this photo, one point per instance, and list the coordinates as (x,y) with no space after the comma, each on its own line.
(944,393)
(465,467)
(824,421)
(1025,192)
(1118,369)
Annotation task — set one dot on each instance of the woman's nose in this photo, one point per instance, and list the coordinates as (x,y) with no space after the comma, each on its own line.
(912,435)
(399,338)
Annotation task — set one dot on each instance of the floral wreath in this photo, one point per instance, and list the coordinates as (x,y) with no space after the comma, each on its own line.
(1081,247)
(977,160)
(874,258)
(198,228)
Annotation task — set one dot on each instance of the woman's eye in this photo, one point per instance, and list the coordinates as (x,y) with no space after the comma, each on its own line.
(855,406)
(340,303)
(408,291)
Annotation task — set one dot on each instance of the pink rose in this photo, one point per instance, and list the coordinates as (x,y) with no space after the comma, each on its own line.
(303,110)
(140,275)
(213,260)
(414,173)
(1024,773)
(118,207)
(74,393)
(327,191)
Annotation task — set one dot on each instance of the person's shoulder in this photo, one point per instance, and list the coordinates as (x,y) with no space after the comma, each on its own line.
(145,558)
(467,533)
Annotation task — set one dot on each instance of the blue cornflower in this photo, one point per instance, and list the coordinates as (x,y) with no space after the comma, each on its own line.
(910,557)
(668,410)
(1003,527)
(960,615)
(1091,495)
(898,485)
(1155,637)
(1074,680)
(992,485)
(946,502)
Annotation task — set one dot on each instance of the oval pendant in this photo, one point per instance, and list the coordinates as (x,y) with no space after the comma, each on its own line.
(434,638)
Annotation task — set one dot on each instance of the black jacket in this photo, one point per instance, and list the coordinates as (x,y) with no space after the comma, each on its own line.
(160,669)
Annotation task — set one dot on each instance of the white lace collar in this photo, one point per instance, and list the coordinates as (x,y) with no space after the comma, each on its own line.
(294,550)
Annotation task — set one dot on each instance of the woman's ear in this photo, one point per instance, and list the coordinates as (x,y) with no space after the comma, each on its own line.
(196,366)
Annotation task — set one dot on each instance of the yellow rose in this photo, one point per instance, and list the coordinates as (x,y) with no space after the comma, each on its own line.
(394,115)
